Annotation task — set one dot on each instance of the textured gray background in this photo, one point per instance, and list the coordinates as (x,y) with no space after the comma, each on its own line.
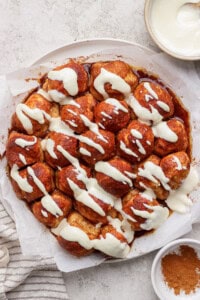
(30,29)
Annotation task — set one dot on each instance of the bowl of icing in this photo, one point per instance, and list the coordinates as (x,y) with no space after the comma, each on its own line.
(175,26)
(160,286)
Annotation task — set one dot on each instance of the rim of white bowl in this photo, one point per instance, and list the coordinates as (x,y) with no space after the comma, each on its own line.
(165,250)
(147,10)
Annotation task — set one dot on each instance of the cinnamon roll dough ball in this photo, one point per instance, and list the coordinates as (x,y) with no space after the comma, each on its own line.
(78,221)
(176,167)
(115,176)
(23,150)
(112,114)
(180,139)
(77,114)
(152,95)
(35,105)
(92,215)
(114,68)
(150,181)
(63,203)
(136,142)
(75,74)
(43,173)
(109,229)
(135,204)
(94,147)
(70,173)
(56,146)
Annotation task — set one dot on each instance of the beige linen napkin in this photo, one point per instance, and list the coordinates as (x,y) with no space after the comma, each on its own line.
(26,277)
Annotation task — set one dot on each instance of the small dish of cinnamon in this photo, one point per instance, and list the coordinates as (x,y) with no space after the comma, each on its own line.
(175,271)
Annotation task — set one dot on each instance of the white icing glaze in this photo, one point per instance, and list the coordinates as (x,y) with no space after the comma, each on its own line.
(69,78)
(36,180)
(106,115)
(84,151)
(162,130)
(24,113)
(109,245)
(101,125)
(136,134)
(117,105)
(59,97)
(93,127)
(152,93)
(131,175)
(140,147)
(116,81)
(163,105)
(44,213)
(155,218)
(23,143)
(148,97)
(109,170)
(22,158)
(72,123)
(22,182)
(51,206)
(58,126)
(154,173)
(178,163)
(127,150)
(49,147)
(83,196)
(178,200)
(72,112)
(123,227)
(143,113)
(44,94)
(91,143)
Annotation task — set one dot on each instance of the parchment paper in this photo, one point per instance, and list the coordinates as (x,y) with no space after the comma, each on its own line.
(34,238)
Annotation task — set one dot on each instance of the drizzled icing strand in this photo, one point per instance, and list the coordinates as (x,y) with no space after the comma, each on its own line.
(108,169)
(116,81)
(162,130)
(154,173)
(69,78)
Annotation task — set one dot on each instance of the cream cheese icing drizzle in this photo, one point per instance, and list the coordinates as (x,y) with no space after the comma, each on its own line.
(116,81)
(178,200)
(50,205)
(22,182)
(24,143)
(143,113)
(108,169)
(44,94)
(152,93)
(109,245)
(155,218)
(69,78)
(59,97)
(22,158)
(117,105)
(83,196)
(49,147)
(155,174)
(127,150)
(24,113)
(162,130)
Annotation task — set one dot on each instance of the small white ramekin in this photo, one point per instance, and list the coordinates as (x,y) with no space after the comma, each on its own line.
(159,285)
(147,16)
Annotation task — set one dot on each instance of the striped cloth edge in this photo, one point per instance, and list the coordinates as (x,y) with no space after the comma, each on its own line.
(27,277)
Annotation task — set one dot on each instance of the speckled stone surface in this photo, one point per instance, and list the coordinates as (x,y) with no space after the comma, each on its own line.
(30,29)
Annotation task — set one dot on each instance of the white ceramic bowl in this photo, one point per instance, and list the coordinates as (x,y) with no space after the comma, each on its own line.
(147,16)
(160,287)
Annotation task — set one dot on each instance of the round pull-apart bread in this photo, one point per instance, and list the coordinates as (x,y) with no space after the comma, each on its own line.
(99,152)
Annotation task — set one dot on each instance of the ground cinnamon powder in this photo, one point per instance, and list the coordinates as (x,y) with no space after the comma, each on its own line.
(181,270)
